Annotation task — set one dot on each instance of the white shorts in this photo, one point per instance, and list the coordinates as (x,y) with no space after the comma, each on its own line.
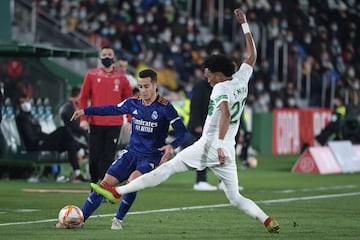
(203,154)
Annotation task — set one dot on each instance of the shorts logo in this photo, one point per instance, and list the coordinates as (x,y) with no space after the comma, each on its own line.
(154,115)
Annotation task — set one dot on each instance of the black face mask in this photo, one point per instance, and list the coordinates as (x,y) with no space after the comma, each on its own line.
(107,61)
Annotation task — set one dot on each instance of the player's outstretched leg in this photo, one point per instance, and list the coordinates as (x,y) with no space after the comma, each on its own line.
(108,192)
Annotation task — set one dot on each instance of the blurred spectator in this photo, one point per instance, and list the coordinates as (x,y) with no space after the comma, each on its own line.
(291,96)
(215,46)
(198,111)
(262,104)
(1,99)
(123,64)
(326,32)
(66,111)
(332,130)
(354,92)
(35,140)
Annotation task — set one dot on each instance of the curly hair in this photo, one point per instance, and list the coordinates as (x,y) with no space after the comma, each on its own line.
(220,63)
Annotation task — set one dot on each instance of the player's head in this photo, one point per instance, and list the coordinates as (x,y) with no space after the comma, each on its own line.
(75,91)
(107,56)
(74,95)
(123,64)
(147,83)
(24,103)
(218,68)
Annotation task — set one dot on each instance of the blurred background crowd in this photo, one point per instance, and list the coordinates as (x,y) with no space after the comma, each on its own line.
(308,50)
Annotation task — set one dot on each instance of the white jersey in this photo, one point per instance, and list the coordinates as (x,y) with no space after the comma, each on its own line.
(235,93)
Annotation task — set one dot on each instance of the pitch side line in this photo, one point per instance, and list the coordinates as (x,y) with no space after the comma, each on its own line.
(281,200)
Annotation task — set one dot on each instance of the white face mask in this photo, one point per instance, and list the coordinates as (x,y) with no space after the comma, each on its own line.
(25,106)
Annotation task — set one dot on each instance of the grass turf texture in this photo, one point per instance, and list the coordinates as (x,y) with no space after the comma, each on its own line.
(320,218)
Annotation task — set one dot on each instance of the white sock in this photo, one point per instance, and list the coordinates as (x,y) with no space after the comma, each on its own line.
(77,172)
(246,205)
(154,177)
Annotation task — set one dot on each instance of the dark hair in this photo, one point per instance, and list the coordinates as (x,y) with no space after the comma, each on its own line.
(123,59)
(20,96)
(75,91)
(148,73)
(220,63)
(106,46)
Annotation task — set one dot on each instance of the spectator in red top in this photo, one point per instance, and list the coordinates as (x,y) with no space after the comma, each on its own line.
(101,86)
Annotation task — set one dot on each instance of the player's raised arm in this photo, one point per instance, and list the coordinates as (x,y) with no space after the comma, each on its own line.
(252,53)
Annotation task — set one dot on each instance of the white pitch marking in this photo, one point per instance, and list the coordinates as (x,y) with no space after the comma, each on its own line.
(281,200)
(314,189)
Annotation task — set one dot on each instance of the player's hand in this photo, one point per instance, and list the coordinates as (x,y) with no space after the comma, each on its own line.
(168,152)
(127,128)
(221,155)
(85,125)
(199,130)
(77,114)
(240,16)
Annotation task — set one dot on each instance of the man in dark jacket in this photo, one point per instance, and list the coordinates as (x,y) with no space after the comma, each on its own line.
(35,140)
(198,112)
(66,111)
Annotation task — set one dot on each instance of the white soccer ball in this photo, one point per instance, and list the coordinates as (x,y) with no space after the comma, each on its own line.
(70,216)
(252,162)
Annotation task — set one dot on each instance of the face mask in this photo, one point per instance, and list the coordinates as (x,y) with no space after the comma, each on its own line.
(178,41)
(140,20)
(273,87)
(289,38)
(82,14)
(174,49)
(278,8)
(334,27)
(25,107)
(356,86)
(190,38)
(178,103)
(284,24)
(291,102)
(112,31)
(149,19)
(307,40)
(279,104)
(182,20)
(117,45)
(107,62)
(259,87)
(351,72)
(105,31)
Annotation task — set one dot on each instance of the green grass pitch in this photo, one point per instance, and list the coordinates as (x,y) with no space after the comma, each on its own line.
(307,206)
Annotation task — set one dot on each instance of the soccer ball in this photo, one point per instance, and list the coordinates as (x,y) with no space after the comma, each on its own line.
(70,216)
(252,162)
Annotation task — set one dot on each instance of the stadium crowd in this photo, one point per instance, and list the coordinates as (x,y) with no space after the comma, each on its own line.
(323,35)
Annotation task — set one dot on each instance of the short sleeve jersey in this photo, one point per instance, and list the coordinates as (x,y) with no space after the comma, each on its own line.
(235,93)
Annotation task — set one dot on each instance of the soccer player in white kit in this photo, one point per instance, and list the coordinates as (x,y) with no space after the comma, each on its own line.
(216,148)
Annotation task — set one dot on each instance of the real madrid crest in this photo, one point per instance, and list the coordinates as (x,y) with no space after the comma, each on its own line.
(154,115)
